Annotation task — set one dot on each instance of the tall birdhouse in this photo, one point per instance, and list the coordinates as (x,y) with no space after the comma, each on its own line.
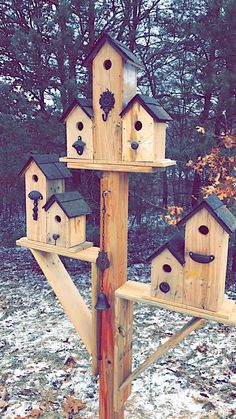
(144,130)
(206,248)
(79,128)
(44,176)
(66,219)
(167,270)
(114,70)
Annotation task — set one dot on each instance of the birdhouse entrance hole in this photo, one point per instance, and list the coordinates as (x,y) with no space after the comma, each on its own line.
(58,218)
(203,230)
(35,178)
(80,126)
(138,125)
(107,64)
(166,268)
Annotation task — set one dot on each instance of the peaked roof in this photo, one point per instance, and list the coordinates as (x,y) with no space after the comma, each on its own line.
(72,203)
(122,49)
(50,166)
(217,209)
(175,245)
(85,103)
(151,105)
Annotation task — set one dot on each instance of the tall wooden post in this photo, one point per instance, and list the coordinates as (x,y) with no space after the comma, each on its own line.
(116,232)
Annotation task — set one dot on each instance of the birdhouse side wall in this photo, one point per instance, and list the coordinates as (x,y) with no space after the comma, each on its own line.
(55,186)
(130,83)
(159,140)
(159,275)
(73,132)
(144,136)
(57,223)
(204,284)
(77,230)
(107,134)
(35,180)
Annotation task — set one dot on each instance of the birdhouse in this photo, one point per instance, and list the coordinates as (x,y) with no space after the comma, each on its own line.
(66,219)
(167,270)
(44,176)
(144,130)
(206,248)
(114,70)
(79,128)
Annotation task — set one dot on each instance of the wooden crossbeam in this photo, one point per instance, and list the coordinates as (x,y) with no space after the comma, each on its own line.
(68,295)
(178,337)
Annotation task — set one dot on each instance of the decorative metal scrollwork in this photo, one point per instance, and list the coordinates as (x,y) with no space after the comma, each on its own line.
(107,102)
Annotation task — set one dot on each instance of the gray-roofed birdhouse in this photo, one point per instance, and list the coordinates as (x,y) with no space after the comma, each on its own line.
(79,128)
(207,230)
(44,176)
(66,219)
(114,70)
(167,270)
(144,130)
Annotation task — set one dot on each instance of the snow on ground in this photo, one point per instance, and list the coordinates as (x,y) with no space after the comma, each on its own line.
(43,361)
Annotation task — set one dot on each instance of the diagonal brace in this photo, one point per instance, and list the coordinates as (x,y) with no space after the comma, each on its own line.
(68,295)
(192,325)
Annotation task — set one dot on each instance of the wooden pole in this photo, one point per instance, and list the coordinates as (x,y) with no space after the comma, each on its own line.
(116,238)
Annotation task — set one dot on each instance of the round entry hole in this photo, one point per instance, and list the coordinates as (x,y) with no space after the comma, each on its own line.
(107,64)
(166,268)
(58,218)
(138,125)
(80,126)
(35,178)
(203,230)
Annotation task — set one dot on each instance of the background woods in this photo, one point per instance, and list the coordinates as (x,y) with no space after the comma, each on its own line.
(189,52)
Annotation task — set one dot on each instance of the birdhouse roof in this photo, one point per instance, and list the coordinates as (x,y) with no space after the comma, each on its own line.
(72,203)
(122,49)
(217,209)
(50,166)
(151,105)
(175,245)
(86,104)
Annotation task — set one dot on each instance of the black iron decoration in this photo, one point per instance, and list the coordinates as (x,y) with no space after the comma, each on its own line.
(35,196)
(107,102)
(79,145)
(102,261)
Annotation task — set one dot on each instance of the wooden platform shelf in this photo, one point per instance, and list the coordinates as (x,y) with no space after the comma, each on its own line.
(85,322)
(132,167)
(135,291)
(86,251)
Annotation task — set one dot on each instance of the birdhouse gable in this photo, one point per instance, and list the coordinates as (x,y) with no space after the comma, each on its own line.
(175,246)
(49,166)
(85,104)
(218,210)
(151,105)
(72,204)
(121,49)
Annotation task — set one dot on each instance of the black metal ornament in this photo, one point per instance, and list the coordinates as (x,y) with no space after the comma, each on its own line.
(35,196)
(79,145)
(107,102)
(102,262)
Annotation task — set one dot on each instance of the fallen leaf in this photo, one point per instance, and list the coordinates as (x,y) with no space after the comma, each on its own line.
(73,405)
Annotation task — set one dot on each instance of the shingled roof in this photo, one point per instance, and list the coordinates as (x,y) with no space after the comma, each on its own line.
(175,245)
(72,203)
(217,209)
(151,105)
(85,103)
(50,166)
(122,49)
